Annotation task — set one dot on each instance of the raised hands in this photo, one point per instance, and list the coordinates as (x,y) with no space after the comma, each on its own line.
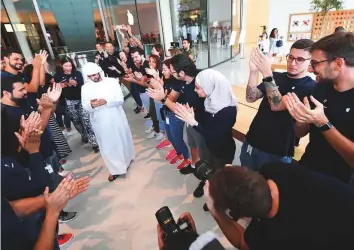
(44,55)
(260,62)
(54,92)
(44,103)
(156,90)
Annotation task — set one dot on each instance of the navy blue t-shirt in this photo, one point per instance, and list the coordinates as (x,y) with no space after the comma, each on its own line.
(70,93)
(191,97)
(315,212)
(319,154)
(173,84)
(273,131)
(142,70)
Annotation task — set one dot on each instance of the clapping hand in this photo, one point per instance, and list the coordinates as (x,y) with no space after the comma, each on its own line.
(153,72)
(185,113)
(33,121)
(43,55)
(72,82)
(303,113)
(44,103)
(30,141)
(55,92)
(138,75)
(260,62)
(129,77)
(37,61)
(156,90)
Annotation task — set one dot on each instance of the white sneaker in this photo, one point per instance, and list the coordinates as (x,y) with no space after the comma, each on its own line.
(151,135)
(149,130)
(65,133)
(160,136)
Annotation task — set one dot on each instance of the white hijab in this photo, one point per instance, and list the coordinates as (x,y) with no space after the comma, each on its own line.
(218,90)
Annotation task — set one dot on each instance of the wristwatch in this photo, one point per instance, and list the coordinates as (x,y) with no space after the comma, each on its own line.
(325,127)
(268,79)
(163,100)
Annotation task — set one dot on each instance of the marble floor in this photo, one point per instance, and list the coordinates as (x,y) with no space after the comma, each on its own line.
(121,215)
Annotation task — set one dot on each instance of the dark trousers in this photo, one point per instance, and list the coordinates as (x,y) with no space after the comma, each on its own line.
(59,113)
(135,94)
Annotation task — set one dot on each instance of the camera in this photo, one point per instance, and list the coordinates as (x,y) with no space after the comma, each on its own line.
(169,226)
(174,44)
(203,170)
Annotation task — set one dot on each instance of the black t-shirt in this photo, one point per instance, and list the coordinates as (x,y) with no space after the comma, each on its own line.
(112,60)
(271,131)
(319,154)
(172,84)
(216,129)
(191,97)
(142,70)
(70,93)
(315,212)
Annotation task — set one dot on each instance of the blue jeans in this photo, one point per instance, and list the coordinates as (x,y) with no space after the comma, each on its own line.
(145,100)
(158,106)
(135,94)
(254,158)
(174,131)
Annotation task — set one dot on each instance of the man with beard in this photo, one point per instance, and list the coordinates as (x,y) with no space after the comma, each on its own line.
(14,64)
(111,62)
(102,97)
(271,134)
(15,105)
(330,120)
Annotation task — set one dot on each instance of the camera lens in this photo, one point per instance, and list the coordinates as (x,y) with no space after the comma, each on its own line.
(203,170)
(165,219)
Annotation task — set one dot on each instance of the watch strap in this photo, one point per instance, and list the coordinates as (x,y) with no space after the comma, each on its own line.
(325,127)
(268,79)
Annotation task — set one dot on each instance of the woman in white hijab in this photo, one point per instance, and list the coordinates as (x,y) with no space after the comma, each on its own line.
(217,122)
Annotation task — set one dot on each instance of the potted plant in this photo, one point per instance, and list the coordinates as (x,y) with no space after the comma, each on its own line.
(323,7)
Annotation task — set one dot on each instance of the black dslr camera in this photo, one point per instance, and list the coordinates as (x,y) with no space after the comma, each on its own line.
(169,226)
(203,170)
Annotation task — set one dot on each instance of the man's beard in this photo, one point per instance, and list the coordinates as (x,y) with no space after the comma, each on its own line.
(17,68)
(18,101)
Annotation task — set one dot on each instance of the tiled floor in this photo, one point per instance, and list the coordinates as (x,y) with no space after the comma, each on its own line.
(121,215)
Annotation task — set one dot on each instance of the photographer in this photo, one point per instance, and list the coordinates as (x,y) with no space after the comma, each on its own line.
(291,208)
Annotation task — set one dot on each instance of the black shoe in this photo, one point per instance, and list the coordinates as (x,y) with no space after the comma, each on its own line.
(205,207)
(136,109)
(147,116)
(66,216)
(199,191)
(96,149)
(187,170)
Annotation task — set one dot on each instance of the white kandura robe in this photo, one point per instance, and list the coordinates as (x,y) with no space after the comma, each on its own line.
(110,124)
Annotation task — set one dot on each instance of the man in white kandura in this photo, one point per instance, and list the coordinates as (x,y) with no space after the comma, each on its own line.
(102,97)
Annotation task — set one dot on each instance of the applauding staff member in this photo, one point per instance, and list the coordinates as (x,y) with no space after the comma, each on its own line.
(184,69)
(174,127)
(111,64)
(215,125)
(271,134)
(71,81)
(330,121)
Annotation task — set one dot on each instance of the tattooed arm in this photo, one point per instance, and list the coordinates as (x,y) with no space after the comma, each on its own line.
(252,92)
(274,97)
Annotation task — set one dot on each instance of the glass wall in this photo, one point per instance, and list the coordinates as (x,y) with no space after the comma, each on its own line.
(220,28)
(189,21)
(209,26)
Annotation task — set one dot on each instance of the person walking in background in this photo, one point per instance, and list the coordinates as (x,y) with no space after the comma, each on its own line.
(273,39)
(71,81)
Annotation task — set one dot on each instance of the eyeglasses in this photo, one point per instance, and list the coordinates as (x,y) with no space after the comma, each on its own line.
(313,63)
(298,60)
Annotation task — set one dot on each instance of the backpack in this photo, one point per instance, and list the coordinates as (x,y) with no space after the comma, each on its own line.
(279,43)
